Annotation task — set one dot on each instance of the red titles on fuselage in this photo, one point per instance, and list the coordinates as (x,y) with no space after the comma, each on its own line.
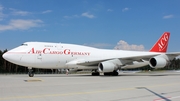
(65,52)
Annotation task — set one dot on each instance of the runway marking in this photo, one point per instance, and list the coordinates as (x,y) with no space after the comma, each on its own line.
(66,94)
(160,99)
(91,92)
(33,80)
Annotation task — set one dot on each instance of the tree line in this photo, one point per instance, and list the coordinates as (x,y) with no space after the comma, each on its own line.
(7,67)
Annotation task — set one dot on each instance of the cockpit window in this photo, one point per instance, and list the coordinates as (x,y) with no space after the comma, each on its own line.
(24,44)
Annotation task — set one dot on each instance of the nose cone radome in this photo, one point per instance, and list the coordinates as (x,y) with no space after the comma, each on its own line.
(5,56)
(14,58)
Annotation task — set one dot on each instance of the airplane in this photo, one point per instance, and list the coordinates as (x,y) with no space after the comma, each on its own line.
(46,55)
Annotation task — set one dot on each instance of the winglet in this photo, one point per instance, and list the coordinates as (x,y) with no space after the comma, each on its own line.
(162,44)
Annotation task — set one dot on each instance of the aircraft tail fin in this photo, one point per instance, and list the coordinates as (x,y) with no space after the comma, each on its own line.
(162,44)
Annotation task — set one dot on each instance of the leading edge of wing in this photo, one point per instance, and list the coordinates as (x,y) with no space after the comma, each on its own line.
(95,61)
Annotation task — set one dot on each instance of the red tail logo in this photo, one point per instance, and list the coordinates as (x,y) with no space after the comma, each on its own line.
(162,44)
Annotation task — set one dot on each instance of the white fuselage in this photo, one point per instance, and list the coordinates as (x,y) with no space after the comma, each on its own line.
(59,55)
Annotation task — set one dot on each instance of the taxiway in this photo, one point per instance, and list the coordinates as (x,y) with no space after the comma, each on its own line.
(151,86)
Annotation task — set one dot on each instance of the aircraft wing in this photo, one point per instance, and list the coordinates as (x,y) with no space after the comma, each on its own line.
(173,54)
(124,60)
(95,62)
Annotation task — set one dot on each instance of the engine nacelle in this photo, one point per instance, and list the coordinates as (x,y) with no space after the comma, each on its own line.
(158,62)
(107,66)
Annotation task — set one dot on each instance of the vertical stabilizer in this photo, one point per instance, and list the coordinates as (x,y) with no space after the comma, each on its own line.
(162,44)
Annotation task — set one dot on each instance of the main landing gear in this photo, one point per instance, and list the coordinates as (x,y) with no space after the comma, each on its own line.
(114,73)
(95,73)
(31,72)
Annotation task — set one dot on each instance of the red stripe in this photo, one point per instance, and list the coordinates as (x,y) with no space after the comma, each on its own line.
(16,52)
(161,99)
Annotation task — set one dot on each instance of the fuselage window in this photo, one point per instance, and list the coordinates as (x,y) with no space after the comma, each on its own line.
(48,46)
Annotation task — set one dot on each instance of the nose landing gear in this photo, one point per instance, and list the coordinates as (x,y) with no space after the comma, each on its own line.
(31,72)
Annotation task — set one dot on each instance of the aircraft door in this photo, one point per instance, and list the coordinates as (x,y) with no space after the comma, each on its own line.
(39,56)
(60,61)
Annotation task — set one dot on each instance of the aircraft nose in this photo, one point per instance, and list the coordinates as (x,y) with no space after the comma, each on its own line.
(11,57)
(5,56)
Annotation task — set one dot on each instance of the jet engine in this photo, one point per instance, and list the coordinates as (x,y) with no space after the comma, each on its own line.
(158,62)
(107,66)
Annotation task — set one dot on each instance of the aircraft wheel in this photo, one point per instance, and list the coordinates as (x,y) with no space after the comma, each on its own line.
(115,73)
(107,74)
(95,74)
(31,73)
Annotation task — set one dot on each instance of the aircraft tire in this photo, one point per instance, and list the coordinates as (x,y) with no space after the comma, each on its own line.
(115,73)
(108,74)
(96,74)
(31,73)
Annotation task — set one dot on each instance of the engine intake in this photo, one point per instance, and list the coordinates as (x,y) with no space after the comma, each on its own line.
(158,62)
(107,66)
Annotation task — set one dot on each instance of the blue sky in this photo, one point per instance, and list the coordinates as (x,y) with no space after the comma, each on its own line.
(97,23)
